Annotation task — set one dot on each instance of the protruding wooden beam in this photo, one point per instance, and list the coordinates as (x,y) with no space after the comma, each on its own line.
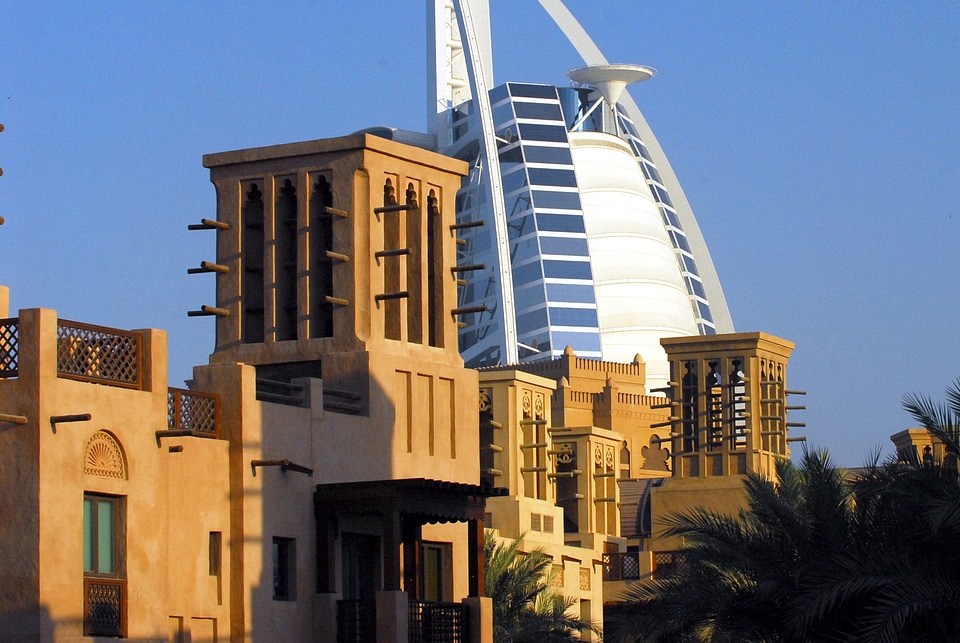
(467,310)
(285,465)
(337,213)
(475,266)
(391,253)
(208,266)
(403,294)
(468,224)
(336,301)
(670,422)
(206,311)
(13,419)
(209,224)
(565,474)
(77,417)
(665,389)
(339,256)
(394,208)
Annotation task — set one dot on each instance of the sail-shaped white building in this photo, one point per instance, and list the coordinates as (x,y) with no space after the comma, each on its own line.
(575,231)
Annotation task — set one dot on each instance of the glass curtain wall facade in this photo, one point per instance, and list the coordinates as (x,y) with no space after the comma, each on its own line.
(556,303)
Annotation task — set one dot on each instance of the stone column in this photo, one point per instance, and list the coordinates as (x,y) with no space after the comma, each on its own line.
(392,617)
(481,618)
(392,537)
(475,558)
(412,537)
(325,616)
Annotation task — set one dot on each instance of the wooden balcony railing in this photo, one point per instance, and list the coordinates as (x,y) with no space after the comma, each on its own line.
(356,621)
(667,563)
(621,566)
(100,355)
(196,413)
(432,621)
(428,622)
(104,607)
(9,347)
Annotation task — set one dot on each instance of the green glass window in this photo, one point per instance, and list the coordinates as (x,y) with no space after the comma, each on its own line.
(100,535)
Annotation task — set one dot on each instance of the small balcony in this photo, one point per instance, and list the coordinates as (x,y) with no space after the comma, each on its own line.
(432,621)
(9,347)
(99,355)
(192,413)
(428,622)
(104,607)
(85,352)
(356,621)
(622,566)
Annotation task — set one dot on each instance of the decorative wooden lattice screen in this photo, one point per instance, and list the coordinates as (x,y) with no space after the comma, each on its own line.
(101,355)
(194,412)
(9,347)
(621,566)
(105,607)
(432,621)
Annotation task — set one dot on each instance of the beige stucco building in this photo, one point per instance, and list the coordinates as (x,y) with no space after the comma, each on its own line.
(329,473)
(607,458)
(323,468)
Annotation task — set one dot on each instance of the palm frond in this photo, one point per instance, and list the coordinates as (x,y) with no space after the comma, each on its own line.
(526,608)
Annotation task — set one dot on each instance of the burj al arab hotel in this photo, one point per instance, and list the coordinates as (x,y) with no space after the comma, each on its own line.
(573,229)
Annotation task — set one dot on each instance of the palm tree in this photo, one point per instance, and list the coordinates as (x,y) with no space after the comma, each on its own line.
(526,608)
(743,575)
(821,555)
(940,419)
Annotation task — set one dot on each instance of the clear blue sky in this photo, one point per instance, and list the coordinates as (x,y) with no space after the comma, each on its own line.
(817,142)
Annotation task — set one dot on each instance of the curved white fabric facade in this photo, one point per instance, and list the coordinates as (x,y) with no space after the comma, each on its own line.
(640,292)
(591,55)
